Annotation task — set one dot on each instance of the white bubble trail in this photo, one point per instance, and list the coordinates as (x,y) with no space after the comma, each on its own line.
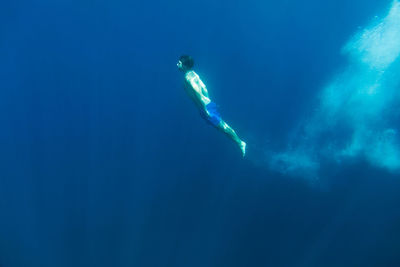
(361,102)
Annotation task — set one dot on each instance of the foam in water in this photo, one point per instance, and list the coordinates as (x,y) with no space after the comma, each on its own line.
(361,102)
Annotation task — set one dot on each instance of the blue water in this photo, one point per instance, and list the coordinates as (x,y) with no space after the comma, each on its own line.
(105,161)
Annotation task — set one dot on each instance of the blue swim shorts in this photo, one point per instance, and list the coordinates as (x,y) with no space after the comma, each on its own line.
(215,117)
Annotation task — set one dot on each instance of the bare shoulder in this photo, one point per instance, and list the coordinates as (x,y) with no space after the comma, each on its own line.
(191,76)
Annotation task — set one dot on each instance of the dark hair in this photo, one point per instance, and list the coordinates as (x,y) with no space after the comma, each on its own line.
(187,62)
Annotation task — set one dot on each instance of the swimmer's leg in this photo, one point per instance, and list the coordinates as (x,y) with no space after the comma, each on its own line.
(224,127)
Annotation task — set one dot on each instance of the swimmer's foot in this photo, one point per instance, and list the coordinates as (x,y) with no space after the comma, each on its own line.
(242,146)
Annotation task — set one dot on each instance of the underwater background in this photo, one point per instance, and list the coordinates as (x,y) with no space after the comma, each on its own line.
(105,161)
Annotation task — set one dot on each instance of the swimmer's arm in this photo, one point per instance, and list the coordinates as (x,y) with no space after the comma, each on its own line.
(200,90)
(203,88)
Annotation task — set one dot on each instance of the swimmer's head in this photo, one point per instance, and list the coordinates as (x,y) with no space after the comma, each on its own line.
(185,63)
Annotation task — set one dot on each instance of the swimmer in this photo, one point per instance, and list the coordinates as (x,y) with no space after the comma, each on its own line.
(208,109)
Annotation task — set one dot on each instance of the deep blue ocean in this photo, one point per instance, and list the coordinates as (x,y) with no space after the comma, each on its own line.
(105,161)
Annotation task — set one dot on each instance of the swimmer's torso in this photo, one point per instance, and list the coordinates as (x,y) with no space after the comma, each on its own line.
(196,89)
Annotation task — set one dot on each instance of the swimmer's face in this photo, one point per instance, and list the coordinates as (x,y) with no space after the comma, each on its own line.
(180,65)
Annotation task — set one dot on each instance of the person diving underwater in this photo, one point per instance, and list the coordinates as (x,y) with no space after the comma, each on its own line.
(208,109)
